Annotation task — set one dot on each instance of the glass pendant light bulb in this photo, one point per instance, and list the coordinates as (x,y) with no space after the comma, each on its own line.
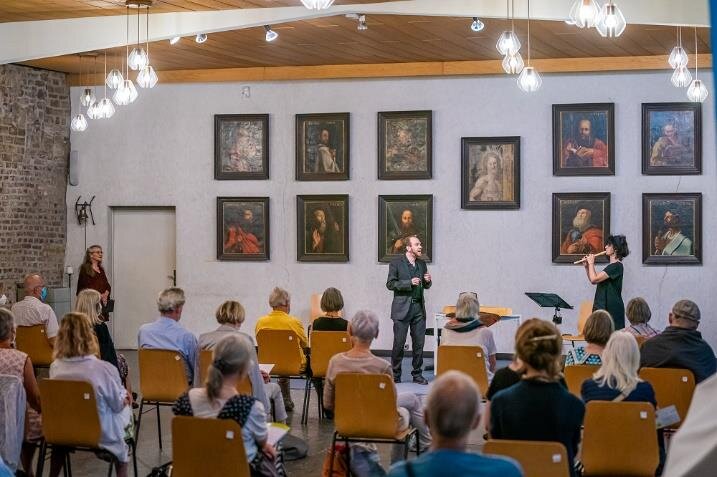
(317,4)
(200,38)
(147,78)
(79,123)
(87,98)
(477,25)
(610,22)
(114,79)
(583,13)
(529,79)
(508,43)
(678,57)
(681,77)
(271,35)
(697,92)
(137,59)
(513,63)
(125,94)
(93,112)
(175,40)
(107,109)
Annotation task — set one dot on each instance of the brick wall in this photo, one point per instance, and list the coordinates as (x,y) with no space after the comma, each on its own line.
(34,151)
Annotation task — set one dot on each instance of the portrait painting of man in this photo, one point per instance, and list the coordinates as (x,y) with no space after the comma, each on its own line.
(673,225)
(490,173)
(583,139)
(401,217)
(322,146)
(672,138)
(242,228)
(581,223)
(322,228)
(241,146)
(405,145)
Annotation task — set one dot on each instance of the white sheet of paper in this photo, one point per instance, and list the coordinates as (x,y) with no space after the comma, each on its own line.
(276,432)
(266,367)
(667,416)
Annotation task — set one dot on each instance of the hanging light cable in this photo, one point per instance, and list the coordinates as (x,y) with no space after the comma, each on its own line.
(107,109)
(126,93)
(529,79)
(513,62)
(93,112)
(508,42)
(147,78)
(678,55)
(138,58)
(87,98)
(697,92)
(79,123)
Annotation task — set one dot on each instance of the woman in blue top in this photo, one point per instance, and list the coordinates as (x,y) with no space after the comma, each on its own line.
(608,293)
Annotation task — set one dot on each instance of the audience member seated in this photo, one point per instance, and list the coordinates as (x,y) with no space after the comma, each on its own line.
(166,333)
(332,302)
(466,329)
(452,412)
(598,328)
(33,310)
(76,359)
(230,316)
(638,313)
(219,399)
(363,329)
(16,363)
(538,408)
(680,345)
(280,319)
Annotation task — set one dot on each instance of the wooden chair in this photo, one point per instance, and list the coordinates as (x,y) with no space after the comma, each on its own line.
(282,348)
(33,341)
(194,439)
(70,420)
(366,411)
(576,375)
(673,387)
(324,345)
(586,308)
(469,359)
(620,439)
(497,310)
(537,458)
(162,379)
(640,340)
(205,360)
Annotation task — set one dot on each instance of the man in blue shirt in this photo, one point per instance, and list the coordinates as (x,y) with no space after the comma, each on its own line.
(452,411)
(166,333)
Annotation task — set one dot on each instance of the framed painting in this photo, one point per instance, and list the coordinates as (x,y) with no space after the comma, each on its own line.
(581,223)
(322,230)
(243,228)
(584,139)
(672,229)
(671,138)
(401,216)
(405,145)
(241,146)
(490,172)
(322,147)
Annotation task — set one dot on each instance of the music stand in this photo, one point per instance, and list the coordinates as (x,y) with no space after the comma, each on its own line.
(550,300)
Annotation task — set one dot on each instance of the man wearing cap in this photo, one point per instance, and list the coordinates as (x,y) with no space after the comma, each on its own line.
(681,345)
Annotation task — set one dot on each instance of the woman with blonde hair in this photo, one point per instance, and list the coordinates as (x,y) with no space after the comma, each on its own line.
(598,329)
(76,359)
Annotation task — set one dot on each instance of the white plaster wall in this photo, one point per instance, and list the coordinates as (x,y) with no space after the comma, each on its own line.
(159,151)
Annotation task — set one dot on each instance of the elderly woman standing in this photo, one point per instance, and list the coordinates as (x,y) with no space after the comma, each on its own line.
(363,329)
(16,363)
(92,275)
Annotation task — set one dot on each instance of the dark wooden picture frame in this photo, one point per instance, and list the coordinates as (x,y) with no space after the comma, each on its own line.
(572,150)
(672,228)
(241,146)
(405,145)
(672,138)
(242,236)
(392,228)
(575,232)
(320,158)
(332,238)
(490,173)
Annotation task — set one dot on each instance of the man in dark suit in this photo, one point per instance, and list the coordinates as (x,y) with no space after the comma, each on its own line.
(408,276)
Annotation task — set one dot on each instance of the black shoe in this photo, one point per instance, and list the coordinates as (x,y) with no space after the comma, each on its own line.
(420,380)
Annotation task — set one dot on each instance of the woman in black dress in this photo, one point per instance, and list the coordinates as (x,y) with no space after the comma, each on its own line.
(608,293)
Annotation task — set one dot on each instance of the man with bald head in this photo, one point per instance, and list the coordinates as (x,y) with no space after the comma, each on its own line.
(33,310)
(452,412)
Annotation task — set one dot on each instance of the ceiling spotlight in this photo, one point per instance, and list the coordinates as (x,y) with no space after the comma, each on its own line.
(271,35)
(362,23)
(477,25)
(317,4)
(175,40)
(201,38)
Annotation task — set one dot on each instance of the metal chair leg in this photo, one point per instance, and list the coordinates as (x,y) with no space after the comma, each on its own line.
(41,458)
(68,465)
(139,419)
(109,472)
(159,428)
(307,400)
(134,457)
(331,459)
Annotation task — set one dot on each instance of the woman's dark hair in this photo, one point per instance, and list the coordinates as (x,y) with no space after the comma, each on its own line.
(619,243)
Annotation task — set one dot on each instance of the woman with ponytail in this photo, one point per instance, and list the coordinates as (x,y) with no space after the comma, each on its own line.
(219,399)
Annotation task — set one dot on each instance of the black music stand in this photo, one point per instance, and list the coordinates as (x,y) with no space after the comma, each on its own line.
(550,300)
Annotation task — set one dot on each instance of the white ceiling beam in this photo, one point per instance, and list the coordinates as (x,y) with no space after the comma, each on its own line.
(24,41)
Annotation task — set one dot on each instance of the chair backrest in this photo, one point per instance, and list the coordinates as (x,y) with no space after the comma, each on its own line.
(497,310)
(69,413)
(469,359)
(586,308)
(13,403)
(449,309)
(673,387)
(620,439)
(576,375)
(162,375)
(537,458)
(281,348)
(205,360)
(33,341)
(194,439)
(640,340)
(324,345)
(365,406)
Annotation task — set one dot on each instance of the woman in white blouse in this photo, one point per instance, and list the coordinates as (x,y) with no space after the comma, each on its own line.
(76,351)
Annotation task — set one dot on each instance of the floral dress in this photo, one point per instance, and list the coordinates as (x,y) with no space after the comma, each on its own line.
(12,362)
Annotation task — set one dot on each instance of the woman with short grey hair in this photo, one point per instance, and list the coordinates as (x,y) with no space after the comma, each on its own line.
(363,329)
